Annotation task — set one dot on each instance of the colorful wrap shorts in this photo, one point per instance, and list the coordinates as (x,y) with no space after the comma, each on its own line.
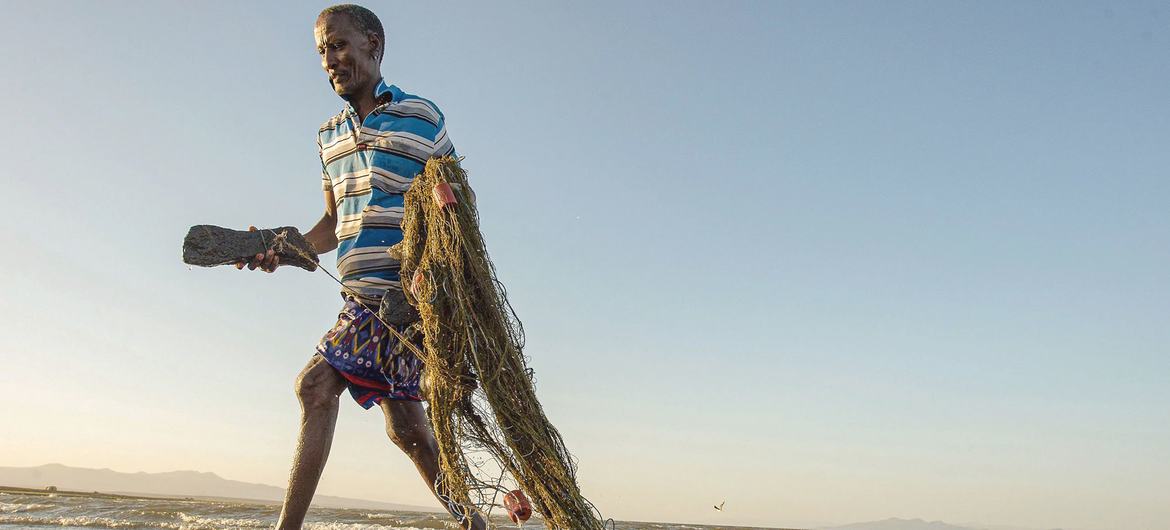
(361,350)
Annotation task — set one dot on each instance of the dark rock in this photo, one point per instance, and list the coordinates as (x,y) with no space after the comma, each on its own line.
(395,310)
(209,245)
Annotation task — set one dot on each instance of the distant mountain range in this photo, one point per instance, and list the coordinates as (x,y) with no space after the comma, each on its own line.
(901,524)
(914,524)
(171,484)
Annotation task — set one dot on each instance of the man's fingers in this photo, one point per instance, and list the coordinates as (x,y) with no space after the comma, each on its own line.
(266,261)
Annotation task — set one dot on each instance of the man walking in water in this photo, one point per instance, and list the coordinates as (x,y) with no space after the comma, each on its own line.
(370,153)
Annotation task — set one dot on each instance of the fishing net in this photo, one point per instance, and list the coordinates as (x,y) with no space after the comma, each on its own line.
(482,404)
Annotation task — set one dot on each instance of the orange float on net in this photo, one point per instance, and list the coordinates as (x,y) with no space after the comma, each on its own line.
(416,282)
(518,507)
(443,194)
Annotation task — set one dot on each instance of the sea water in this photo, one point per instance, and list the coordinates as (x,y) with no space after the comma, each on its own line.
(84,512)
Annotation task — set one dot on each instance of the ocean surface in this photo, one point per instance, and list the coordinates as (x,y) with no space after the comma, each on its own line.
(84,512)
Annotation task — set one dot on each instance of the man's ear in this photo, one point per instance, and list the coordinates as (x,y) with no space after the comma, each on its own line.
(377,46)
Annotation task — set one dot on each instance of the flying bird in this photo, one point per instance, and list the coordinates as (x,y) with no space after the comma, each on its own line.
(720,507)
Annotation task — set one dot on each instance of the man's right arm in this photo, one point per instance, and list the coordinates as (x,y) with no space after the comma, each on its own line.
(323,235)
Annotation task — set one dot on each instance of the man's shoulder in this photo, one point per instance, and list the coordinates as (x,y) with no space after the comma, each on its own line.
(331,124)
(417,106)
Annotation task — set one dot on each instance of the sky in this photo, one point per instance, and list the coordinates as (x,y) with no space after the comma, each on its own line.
(825,261)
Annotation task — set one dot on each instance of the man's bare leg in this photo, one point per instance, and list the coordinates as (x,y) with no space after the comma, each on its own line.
(409,429)
(317,387)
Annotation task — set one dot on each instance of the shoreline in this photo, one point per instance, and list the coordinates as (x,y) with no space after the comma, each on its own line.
(97,494)
(45,492)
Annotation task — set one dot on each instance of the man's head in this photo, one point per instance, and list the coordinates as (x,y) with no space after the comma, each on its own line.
(350,41)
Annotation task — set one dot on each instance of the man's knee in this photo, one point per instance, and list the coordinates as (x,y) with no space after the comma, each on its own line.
(411,437)
(413,443)
(318,385)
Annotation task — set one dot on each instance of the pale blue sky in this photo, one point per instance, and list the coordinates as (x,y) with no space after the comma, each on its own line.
(825,261)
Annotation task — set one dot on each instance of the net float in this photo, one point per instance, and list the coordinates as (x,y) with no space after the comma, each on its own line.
(416,283)
(443,194)
(518,507)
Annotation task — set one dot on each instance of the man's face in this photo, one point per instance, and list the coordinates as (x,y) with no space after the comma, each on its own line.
(348,55)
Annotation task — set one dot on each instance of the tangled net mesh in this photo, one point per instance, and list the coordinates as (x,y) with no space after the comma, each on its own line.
(482,404)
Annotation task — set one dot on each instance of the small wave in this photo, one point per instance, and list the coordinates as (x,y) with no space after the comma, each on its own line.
(12,507)
(195,522)
(383,516)
(420,521)
(152,513)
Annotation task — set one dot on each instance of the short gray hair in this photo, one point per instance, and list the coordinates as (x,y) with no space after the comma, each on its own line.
(365,19)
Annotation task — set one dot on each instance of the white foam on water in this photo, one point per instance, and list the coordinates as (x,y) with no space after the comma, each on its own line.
(406,516)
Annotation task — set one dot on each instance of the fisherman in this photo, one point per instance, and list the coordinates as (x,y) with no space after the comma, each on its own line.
(370,153)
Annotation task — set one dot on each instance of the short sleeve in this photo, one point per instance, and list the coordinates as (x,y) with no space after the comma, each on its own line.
(326,182)
(443,145)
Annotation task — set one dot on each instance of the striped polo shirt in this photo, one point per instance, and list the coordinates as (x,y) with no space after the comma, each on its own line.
(369,166)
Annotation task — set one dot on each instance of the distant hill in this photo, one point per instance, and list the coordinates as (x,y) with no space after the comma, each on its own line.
(919,524)
(171,484)
(901,524)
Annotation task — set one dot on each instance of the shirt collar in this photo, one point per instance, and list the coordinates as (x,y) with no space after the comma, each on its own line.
(383,94)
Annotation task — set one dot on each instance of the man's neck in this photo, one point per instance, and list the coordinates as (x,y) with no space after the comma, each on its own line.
(364,105)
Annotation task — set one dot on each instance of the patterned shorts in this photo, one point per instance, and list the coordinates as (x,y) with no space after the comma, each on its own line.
(362,351)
